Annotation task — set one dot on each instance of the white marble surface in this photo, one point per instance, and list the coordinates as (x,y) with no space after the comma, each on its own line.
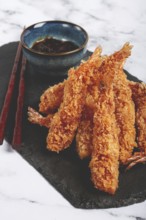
(24,194)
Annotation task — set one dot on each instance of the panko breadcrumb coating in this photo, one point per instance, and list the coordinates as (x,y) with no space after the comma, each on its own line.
(139,97)
(124,105)
(65,122)
(85,129)
(50,100)
(95,105)
(85,133)
(125,121)
(104,164)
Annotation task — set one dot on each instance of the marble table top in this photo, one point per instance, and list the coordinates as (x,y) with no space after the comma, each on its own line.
(24,193)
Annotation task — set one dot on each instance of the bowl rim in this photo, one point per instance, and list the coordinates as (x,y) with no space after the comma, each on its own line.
(54,54)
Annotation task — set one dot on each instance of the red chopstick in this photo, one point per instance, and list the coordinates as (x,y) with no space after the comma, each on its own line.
(8,97)
(17,134)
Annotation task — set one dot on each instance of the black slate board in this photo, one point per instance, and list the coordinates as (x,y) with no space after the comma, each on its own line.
(65,171)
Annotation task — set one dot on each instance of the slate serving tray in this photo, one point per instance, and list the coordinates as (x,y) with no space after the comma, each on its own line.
(65,171)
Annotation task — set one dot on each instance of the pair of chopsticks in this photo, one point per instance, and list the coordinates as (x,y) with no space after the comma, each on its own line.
(17,133)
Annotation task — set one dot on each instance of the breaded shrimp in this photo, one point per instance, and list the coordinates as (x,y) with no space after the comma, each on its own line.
(85,129)
(139,97)
(104,162)
(95,101)
(50,100)
(125,116)
(66,120)
(124,105)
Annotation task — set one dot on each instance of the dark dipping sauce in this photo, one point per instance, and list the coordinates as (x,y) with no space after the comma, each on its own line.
(51,45)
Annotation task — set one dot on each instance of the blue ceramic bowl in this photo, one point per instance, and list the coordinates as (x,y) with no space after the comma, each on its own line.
(60,30)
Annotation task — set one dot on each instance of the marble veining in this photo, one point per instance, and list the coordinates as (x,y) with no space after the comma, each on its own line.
(24,194)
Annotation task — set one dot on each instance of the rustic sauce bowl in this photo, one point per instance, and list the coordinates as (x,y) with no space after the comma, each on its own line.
(60,30)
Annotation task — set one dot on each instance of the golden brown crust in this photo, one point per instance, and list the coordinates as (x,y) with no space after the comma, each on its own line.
(105,154)
(139,97)
(66,120)
(85,129)
(125,116)
(95,101)
(104,163)
(85,133)
(50,100)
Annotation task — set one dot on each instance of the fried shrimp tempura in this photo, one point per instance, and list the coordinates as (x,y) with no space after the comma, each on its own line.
(95,105)
(124,105)
(50,100)
(125,121)
(104,162)
(139,97)
(85,129)
(66,120)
